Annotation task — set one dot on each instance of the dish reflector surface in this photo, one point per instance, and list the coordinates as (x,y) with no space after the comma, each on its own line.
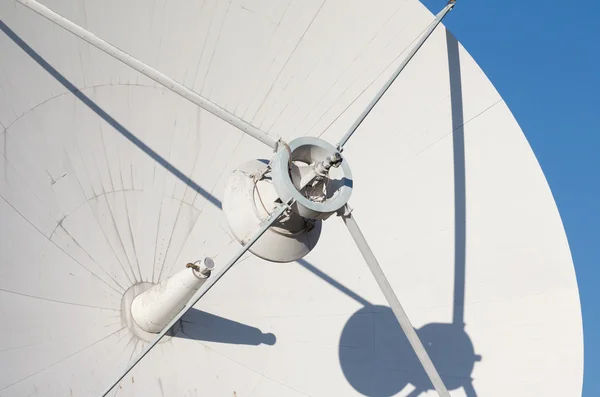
(108,180)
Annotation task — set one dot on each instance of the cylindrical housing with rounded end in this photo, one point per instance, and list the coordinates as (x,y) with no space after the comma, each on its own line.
(153,309)
(247,202)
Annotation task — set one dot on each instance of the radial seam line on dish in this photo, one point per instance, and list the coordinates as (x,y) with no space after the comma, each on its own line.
(214,186)
(199,120)
(185,242)
(9,83)
(360,53)
(212,17)
(266,97)
(284,12)
(131,236)
(450,133)
(270,67)
(98,110)
(277,118)
(166,165)
(242,365)
(224,248)
(288,60)
(478,114)
(345,70)
(103,195)
(214,154)
(131,230)
(57,246)
(108,242)
(181,202)
(29,143)
(117,343)
(137,341)
(31,190)
(131,338)
(81,68)
(87,201)
(407,48)
(163,194)
(18,347)
(63,359)
(317,63)
(216,182)
(255,387)
(112,216)
(278,25)
(86,252)
(53,340)
(57,301)
(157,232)
(285,90)
(215,47)
(91,87)
(162,31)
(166,252)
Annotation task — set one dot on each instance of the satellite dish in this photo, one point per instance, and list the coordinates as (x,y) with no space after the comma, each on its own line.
(126,194)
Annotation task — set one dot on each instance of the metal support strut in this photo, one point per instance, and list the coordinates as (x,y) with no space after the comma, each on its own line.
(411,54)
(210,282)
(153,74)
(393,301)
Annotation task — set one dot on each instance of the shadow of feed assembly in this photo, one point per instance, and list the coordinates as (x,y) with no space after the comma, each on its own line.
(374,353)
(201,325)
(378,361)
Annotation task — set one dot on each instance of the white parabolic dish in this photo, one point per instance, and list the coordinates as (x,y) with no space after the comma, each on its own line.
(108,180)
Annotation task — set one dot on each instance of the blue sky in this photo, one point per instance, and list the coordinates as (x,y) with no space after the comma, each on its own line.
(543,57)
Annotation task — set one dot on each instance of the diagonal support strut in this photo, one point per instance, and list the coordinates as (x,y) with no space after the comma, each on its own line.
(390,296)
(151,73)
(202,291)
(390,81)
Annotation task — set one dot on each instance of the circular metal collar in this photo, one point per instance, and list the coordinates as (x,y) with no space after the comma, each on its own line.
(310,150)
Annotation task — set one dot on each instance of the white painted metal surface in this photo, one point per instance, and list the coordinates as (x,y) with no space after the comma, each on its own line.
(247,201)
(395,305)
(108,179)
(153,309)
(305,151)
(169,328)
(149,72)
